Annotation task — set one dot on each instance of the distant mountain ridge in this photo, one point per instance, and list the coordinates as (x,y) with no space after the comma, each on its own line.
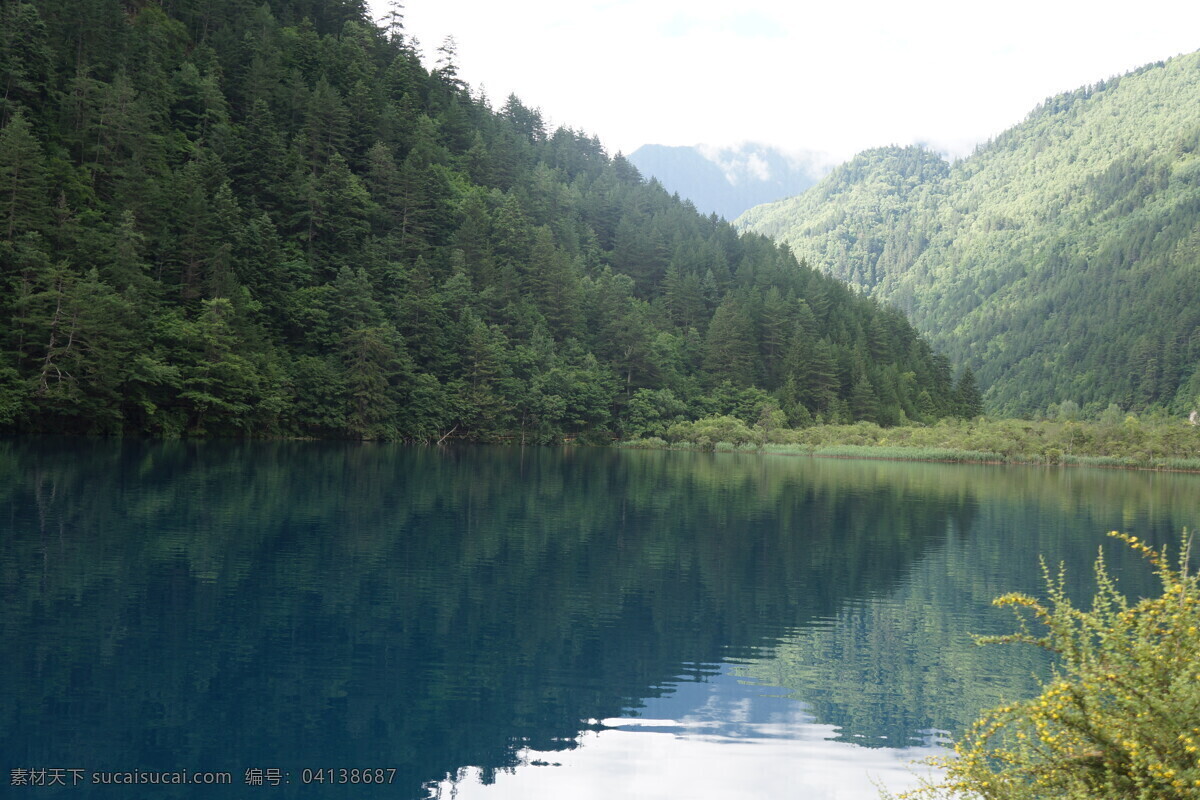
(729,180)
(1060,260)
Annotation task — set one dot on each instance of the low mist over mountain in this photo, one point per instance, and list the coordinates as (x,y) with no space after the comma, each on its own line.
(729,180)
(1059,260)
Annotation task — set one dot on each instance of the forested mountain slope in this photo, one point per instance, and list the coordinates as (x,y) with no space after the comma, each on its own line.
(1061,260)
(230,218)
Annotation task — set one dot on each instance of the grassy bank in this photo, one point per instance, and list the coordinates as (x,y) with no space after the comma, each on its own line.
(1166,444)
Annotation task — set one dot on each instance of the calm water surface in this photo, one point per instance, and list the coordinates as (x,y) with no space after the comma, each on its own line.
(538,623)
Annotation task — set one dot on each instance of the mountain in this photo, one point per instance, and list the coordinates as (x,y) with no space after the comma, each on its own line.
(727,181)
(271,219)
(1060,260)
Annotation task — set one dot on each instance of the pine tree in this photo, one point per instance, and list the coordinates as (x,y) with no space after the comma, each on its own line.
(340,209)
(326,126)
(204,228)
(967,396)
(25,59)
(446,72)
(259,165)
(393,23)
(375,366)
(554,284)
(864,402)
(219,382)
(729,351)
(24,206)
(684,297)
(777,323)
(474,240)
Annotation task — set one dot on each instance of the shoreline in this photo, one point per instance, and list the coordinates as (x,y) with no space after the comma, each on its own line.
(1187,461)
(893,453)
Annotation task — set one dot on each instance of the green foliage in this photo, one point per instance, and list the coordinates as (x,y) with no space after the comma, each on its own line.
(1119,719)
(23,201)
(1058,260)
(652,412)
(13,396)
(710,432)
(275,220)
(1165,444)
(968,400)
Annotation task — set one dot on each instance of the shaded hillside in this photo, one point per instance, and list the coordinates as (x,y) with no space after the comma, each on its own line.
(1059,260)
(727,181)
(229,219)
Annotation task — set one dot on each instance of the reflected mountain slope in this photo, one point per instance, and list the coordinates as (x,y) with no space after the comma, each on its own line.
(221,606)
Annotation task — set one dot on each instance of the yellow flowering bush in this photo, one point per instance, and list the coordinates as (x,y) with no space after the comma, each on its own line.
(1121,716)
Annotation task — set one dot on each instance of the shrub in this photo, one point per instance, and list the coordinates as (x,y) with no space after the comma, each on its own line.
(648,443)
(708,432)
(1121,716)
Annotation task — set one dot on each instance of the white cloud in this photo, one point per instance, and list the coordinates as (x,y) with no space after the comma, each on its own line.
(835,77)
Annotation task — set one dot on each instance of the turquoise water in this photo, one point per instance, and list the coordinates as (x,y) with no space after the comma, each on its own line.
(500,622)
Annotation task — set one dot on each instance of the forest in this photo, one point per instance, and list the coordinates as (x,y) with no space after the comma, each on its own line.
(241,219)
(1058,260)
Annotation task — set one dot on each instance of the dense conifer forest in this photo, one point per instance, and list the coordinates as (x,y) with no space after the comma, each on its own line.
(1059,260)
(236,218)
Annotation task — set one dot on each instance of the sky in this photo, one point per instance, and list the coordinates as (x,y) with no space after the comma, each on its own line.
(832,77)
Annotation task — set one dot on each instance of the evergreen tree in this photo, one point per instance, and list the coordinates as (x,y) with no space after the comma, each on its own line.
(393,23)
(24,206)
(969,402)
(25,59)
(729,352)
(219,383)
(864,403)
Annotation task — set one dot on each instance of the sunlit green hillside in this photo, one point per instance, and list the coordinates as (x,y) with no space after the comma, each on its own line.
(1059,261)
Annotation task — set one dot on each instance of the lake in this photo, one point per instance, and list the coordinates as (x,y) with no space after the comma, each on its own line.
(537,623)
